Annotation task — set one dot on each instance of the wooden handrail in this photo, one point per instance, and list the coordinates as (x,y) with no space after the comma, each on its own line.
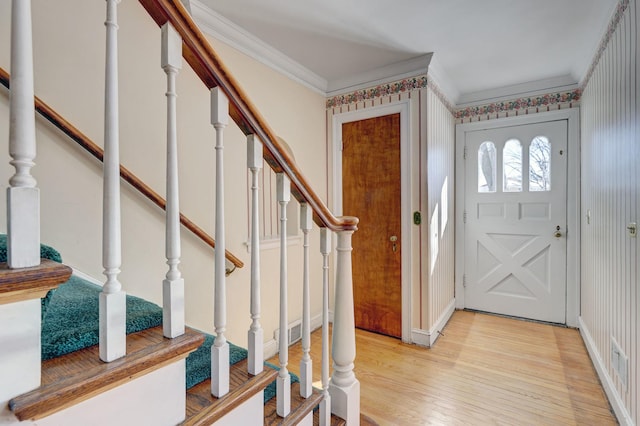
(206,63)
(85,142)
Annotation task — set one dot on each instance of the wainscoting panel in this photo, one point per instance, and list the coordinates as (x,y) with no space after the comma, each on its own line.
(610,154)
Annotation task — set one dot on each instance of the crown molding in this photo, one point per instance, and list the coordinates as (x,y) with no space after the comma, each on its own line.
(393,72)
(565,83)
(221,28)
(444,83)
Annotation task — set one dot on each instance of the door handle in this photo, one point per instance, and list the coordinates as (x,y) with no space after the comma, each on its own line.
(557,234)
(394,239)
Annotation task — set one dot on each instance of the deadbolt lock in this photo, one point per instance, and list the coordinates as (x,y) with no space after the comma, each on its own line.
(557,234)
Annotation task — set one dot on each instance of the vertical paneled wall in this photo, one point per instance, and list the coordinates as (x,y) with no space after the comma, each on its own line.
(438,267)
(610,155)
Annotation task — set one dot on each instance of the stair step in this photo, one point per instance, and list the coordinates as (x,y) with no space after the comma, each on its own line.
(205,409)
(80,375)
(300,407)
(31,283)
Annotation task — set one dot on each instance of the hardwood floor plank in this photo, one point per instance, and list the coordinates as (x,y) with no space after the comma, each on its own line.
(485,369)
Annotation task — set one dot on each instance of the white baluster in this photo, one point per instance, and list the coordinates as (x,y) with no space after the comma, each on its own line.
(283,382)
(220,348)
(306,366)
(23,198)
(325,249)
(255,357)
(173,284)
(112,298)
(344,387)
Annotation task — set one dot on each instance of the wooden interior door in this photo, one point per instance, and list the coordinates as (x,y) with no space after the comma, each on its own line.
(371,191)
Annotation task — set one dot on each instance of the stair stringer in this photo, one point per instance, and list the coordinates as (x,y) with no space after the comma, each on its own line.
(157,398)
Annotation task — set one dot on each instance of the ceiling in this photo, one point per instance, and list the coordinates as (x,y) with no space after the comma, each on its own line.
(481,48)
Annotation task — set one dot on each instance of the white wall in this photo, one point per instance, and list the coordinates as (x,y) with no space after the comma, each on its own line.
(439,264)
(69,41)
(610,201)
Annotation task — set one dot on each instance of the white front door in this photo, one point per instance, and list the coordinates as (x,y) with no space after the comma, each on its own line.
(516,219)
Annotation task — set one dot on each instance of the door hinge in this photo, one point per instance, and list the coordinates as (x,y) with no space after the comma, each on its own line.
(464,280)
(464,217)
(464,153)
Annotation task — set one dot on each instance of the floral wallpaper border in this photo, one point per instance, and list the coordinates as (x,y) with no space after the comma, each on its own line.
(519,104)
(405,85)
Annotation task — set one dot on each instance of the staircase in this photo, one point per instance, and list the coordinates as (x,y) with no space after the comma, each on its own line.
(118,374)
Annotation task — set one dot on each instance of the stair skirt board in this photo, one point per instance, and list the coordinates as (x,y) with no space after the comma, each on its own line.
(156,398)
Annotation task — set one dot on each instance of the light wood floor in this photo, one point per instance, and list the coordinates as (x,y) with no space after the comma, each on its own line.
(484,370)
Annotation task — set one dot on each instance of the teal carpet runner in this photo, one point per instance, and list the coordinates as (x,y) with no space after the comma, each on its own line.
(70,322)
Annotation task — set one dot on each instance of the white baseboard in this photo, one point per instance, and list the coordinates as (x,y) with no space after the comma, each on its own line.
(428,337)
(607,382)
(87,277)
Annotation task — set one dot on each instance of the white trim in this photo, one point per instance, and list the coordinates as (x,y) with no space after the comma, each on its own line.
(609,387)
(573,200)
(404,108)
(442,80)
(564,83)
(420,337)
(274,243)
(386,74)
(221,28)
(270,348)
(86,277)
(428,337)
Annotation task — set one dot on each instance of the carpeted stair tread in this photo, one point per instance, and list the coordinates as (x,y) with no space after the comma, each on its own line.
(270,391)
(199,362)
(71,321)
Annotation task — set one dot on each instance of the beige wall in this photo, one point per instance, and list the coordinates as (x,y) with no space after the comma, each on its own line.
(69,40)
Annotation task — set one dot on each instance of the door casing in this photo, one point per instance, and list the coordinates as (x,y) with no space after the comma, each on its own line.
(403,108)
(572,116)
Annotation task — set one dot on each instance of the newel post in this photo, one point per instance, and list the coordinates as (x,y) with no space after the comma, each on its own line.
(325,249)
(23,197)
(344,387)
(112,298)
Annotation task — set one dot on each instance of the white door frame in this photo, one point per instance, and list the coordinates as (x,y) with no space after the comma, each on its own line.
(404,108)
(572,116)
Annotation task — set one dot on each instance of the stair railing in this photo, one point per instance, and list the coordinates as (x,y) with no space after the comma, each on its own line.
(228,100)
(343,388)
(48,113)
